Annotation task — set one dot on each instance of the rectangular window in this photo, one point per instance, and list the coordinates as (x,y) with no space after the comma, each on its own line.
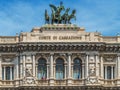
(109,72)
(7,73)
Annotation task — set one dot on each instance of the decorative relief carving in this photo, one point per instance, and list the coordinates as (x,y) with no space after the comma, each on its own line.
(28,70)
(92,80)
(109,58)
(8,58)
(29,60)
(92,69)
(91,60)
(41,55)
(29,80)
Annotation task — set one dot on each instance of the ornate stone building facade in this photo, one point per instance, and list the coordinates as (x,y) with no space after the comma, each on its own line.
(59,56)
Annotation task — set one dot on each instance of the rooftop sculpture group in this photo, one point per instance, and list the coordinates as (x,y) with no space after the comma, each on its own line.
(57,16)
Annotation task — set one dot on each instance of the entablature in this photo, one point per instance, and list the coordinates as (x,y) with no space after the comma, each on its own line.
(39,46)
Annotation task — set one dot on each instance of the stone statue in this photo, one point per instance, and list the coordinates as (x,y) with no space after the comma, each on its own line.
(56,16)
(28,72)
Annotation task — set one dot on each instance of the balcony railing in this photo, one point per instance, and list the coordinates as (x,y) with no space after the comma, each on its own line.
(43,82)
(7,83)
(77,82)
(60,82)
(109,82)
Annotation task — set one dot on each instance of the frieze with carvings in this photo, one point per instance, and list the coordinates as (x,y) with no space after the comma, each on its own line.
(8,58)
(41,55)
(58,47)
(109,58)
(92,80)
(60,55)
(92,69)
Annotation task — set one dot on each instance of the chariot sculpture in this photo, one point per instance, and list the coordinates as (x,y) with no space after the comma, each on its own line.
(59,15)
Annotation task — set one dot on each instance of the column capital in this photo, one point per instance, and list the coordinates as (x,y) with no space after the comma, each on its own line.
(33,54)
(118,55)
(87,54)
(69,54)
(11,66)
(51,54)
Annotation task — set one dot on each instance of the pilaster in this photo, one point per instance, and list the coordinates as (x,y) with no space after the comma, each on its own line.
(0,67)
(33,62)
(69,70)
(51,70)
(102,68)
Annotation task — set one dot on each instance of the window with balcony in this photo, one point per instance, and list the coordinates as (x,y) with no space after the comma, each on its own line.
(108,72)
(7,73)
(42,69)
(59,68)
(77,68)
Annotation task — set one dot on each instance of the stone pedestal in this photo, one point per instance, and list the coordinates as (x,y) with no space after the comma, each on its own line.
(51,82)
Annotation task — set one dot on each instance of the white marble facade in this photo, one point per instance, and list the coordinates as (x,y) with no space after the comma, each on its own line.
(59,55)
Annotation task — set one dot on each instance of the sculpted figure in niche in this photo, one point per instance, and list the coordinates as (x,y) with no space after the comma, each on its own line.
(28,72)
(92,71)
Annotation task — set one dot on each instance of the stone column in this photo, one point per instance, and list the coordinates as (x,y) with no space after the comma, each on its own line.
(118,70)
(118,67)
(51,66)
(17,68)
(54,71)
(83,71)
(112,72)
(21,67)
(48,71)
(21,71)
(51,71)
(11,73)
(69,66)
(0,68)
(24,67)
(101,64)
(69,70)
(97,65)
(36,68)
(65,72)
(72,71)
(4,72)
(86,63)
(105,72)
(33,60)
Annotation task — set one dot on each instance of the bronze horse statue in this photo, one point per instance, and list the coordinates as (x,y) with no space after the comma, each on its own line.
(65,16)
(56,13)
(71,16)
(57,16)
(47,18)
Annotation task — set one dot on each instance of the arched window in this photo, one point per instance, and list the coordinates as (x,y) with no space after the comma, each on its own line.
(77,68)
(42,69)
(59,68)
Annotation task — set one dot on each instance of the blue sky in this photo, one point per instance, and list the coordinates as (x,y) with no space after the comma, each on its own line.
(94,15)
